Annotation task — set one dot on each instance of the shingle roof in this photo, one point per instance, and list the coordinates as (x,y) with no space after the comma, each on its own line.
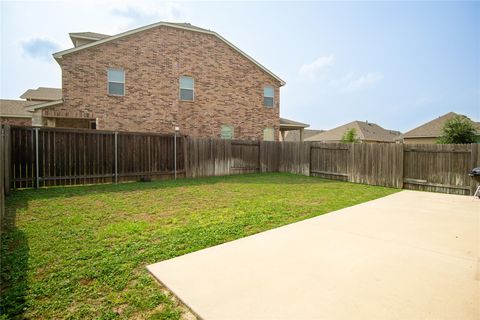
(294,135)
(433,129)
(186,26)
(42,94)
(366,131)
(288,122)
(90,35)
(15,108)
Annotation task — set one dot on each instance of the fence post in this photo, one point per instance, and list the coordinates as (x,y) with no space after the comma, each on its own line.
(401,165)
(474,162)
(175,155)
(116,156)
(37,171)
(185,160)
(2,181)
(7,143)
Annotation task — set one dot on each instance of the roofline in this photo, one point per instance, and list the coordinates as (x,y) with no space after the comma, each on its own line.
(84,37)
(43,105)
(60,54)
(294,125)
(14,116)
(416,137)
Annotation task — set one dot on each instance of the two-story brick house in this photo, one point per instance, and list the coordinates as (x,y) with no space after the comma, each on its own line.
(161,76)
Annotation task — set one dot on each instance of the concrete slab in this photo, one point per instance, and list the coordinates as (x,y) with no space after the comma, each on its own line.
(411,255)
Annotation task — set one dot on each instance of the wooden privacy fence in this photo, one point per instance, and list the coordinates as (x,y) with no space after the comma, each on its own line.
(37,157)
(438,168)
(52,156)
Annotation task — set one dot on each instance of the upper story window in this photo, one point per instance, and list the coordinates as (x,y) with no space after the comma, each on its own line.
(268,94)
(186,88)
(268,134)
(226,132)
(116,82)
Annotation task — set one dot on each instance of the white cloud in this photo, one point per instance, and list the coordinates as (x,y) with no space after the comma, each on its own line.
(317,68)
(39,48)
(144,12)
(353,83)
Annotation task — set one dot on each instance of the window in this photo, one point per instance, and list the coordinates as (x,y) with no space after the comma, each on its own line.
(186,88)
(116,82)
(268,134)
(93,124)
(268,94)
(226,132)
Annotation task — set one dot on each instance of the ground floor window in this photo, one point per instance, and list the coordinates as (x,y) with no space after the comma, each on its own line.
(226,132)
(268,134)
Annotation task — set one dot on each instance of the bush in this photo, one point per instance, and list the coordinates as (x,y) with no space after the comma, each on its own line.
(350,136)
(459,130)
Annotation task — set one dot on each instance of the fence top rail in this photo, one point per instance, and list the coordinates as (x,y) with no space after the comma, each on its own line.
(94,131)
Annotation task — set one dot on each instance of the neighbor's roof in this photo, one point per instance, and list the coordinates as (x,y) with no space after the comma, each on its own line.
(433,129)
(290,123)
(15,108)
(42,94)
(366,131)
(294,135)
(185,26)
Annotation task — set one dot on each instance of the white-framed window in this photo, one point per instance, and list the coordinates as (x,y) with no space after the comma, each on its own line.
(226,132)
(186,88)
(268,134)
(268,95)
(116,82)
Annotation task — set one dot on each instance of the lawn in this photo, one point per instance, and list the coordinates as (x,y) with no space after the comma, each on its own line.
(80,252)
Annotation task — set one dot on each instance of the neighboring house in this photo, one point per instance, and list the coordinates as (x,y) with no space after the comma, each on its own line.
(307,133)
(13,112)
(366,132)
(42,94)
(428,133)
(161,76)
(22,112)
(287,126)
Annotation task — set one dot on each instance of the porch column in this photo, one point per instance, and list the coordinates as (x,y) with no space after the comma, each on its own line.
(301,135)
(282,133)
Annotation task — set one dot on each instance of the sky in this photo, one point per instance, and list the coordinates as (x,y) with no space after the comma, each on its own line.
(397,64)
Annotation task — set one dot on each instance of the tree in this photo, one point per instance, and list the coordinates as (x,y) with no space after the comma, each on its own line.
(459,129)
(350,136)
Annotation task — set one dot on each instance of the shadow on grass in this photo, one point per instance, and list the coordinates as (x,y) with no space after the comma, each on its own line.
(14,254)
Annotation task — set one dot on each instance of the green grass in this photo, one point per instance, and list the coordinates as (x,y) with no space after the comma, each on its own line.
(80,252)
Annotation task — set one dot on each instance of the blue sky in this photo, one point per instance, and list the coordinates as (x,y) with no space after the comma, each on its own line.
(396,64)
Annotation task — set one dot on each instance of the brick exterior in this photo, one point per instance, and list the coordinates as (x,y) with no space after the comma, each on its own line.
(228,86)
(16,121)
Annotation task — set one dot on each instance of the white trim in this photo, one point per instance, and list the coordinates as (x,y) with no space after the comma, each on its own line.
(44,105)
(60,54)
(13,116)
(294,125)
(84,37)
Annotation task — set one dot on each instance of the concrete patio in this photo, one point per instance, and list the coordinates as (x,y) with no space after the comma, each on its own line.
(411,255)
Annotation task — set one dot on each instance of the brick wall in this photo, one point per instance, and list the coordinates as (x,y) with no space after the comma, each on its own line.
(16,121)
(228,87)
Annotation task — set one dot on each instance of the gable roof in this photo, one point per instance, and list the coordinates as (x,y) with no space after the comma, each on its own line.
(184,26)
(433,128)
(294,124)
(88,35)
(15,108)
(42,94)
(294,135)
(366,131)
